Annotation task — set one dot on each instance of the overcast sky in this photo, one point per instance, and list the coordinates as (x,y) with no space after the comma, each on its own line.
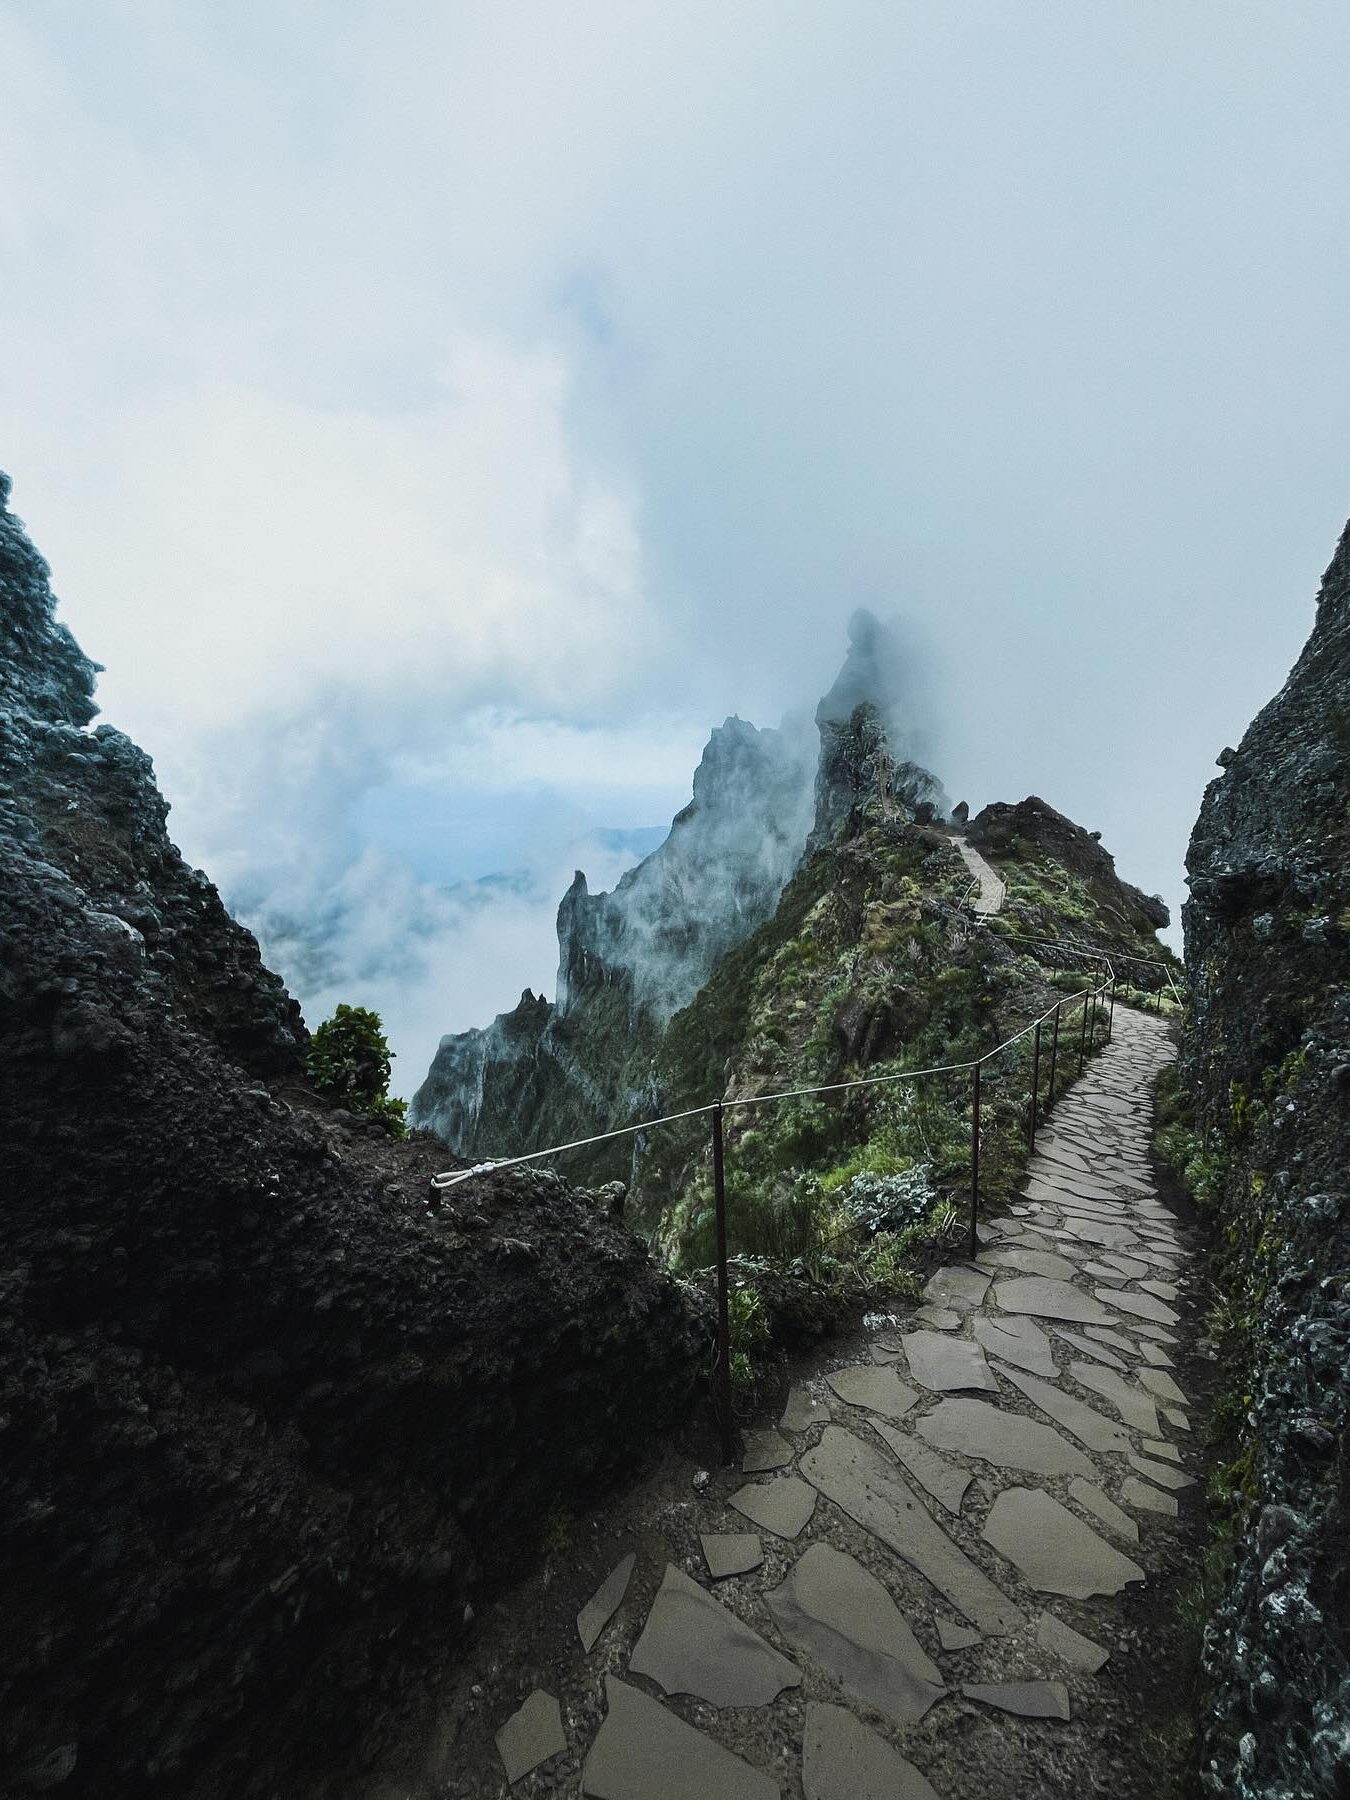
(438,417)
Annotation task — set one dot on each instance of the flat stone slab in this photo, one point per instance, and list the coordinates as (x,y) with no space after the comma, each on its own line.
(691,1644)
(1017,1340)
(1100,1272)
(1162,1474)
(803,1411)
(643,1752)
(1155,1355)
(843,1759)
(1159,1382)
(956,1637)
(941,1318)
(1093,1500)
(1165,1290)
(864,1483)
(1156,1447)
(1135,1408)
(781,1506)
(1028,1699)
(879,1390)
(945,1481)
(1006,1439)
(531,1735)
(1143,1306)
(1090,1347)
(841,1618)
(945,1364)
(957,1287)
(1116,1339)
(1056,1552)
(1083,1421)
(604,1602)
(731,1552)
(1070,1646)
(1034,1262)
(1147,1499)
(765,1450)
(1126,1266)
(1047,1299)
(1175,1416)
(1098,1231)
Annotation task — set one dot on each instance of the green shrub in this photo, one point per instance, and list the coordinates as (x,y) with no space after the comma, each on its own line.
(349,1058)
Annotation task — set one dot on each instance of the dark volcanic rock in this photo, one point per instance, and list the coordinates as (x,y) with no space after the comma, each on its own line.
(1003,830)
(264,1425)
(1267,1056)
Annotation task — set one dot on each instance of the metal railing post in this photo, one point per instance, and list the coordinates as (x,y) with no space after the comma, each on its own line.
(975,1166)
(1035,1080)
(1054,1052)
(723,1298)
(1082,1036)
(1111,1016)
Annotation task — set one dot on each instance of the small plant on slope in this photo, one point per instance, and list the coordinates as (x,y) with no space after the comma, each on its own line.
(349,1059)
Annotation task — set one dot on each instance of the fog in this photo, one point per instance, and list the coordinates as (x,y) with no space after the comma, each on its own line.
(438,422)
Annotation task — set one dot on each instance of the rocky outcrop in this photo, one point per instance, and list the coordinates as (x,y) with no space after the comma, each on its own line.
(1032,826)
(266,1426)
(1267,1061)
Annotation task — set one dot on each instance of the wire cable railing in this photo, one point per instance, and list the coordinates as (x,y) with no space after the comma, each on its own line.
(1094,1003)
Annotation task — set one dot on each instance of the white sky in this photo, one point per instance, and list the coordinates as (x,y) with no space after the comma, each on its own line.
(486,400)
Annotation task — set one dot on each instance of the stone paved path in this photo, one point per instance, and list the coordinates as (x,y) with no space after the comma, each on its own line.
(915,1586)
(989,899)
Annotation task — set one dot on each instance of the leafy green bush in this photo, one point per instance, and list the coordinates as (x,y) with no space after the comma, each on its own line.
(349,1058)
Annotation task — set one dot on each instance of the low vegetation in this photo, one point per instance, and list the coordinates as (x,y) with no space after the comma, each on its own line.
(349,1061)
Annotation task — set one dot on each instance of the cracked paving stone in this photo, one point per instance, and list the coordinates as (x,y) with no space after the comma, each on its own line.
(1034,1262)
(1006,1439)
(878,1390)
(1159,1382)
(1100,1272)
(765,1450)
(644,1752)
(862,1482)
(1165,1290)
(781,1506)
(531,1735)
(1083,1421)
(941,1318)
(944,1364)
(1177,1418)
(1029,1699)
(1051,1300)
(1105,1510)
(1094,1231)
(945,1481)
(1089,1347)
(692,1644)
(1155,1354)
(1136,1409)
(1148,1499)
(956,1637)
(1126,1266)
(1162,1474)
(1102,1335)
(1144,1306)
(731,1552)
(604,1602)
(1070,1646)
(803,1411)
(1156,1447)
(840,1617)
(843,1759)
(1056,1552)
(957,1287)
(1017,1340)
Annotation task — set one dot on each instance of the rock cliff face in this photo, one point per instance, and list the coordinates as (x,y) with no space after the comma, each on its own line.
(629,961)
(1267,1060)
(265,1425)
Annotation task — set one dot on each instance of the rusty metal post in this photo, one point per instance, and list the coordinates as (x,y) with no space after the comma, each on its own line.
(1111,1016)
(1054,1052)
(1035,1080)
(723,1299)
(1082,1036)
(975,1166)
